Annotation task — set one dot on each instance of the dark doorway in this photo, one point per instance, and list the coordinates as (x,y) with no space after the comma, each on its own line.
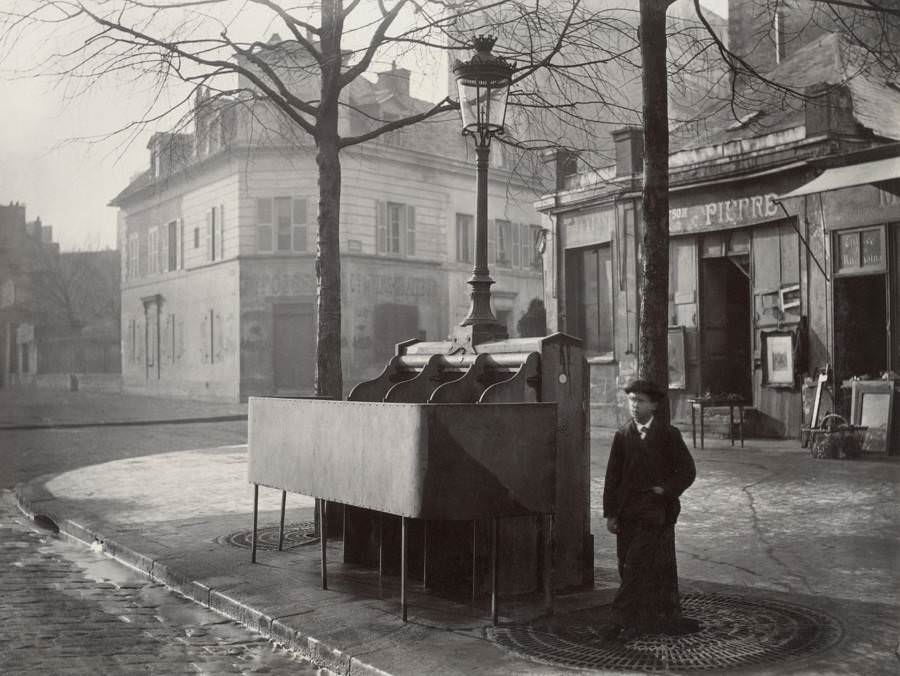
(394,323)
(860,326)
(726,366)
(293,347)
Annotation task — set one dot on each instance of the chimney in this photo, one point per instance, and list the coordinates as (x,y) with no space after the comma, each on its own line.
(629,150)
(829,110)
(395,80)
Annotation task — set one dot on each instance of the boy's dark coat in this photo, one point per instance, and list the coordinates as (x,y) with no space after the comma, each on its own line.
(635,465)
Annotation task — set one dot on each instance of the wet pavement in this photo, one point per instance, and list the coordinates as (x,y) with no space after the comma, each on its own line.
(68,609)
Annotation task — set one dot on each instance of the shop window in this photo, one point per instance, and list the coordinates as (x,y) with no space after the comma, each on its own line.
(859,251)
(590,300)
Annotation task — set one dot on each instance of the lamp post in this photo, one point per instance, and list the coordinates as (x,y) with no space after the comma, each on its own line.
(483,83)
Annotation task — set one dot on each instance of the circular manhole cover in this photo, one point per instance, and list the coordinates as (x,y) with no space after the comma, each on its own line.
(295,535)
(735,632)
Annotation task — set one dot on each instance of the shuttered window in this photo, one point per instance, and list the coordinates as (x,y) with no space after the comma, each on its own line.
(395,229)
(281,225)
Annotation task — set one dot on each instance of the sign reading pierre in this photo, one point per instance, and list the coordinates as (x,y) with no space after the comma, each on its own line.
(727,213)
(596,227)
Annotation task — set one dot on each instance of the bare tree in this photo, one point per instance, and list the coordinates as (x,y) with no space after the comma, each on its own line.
(76,287)
(653,357)
(197,43)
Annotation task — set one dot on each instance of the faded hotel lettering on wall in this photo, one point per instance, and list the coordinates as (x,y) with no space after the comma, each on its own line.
(390,286)
(279,284)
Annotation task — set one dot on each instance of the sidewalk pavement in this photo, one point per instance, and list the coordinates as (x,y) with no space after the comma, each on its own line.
(766,524)
(30,407)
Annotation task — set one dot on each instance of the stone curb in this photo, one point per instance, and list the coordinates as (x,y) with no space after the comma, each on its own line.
(124,423)
(29,498)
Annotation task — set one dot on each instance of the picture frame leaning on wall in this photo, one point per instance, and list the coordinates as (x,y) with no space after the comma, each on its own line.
(871,406)
(778,358)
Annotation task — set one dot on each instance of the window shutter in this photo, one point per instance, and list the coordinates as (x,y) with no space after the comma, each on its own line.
(470,225)
(209,236)
(492,242)
(265,241)
(180,244)
(380,226)
(299,224)
(410,231)
(221,231)
(164,248)
(516,246)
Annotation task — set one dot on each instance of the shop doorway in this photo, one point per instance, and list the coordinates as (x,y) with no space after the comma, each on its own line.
(726,366)
(293,347)
(860,326)
(394,323)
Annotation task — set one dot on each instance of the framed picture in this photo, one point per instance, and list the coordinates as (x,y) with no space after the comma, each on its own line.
(872,406)
(789,296)
(677,370)
(816,406)
(778,361)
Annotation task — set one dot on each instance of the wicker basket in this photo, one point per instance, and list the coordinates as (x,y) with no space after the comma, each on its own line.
(835,438)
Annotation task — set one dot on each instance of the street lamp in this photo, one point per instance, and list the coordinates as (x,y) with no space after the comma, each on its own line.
(483,83)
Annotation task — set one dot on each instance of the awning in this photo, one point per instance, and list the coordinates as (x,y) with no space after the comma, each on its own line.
(876,171)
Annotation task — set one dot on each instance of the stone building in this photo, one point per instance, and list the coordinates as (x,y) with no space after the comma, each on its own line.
(745,271)
(218,244)
(58,310)
(21,244)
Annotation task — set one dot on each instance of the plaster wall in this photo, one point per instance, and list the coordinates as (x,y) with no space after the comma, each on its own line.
(198,351)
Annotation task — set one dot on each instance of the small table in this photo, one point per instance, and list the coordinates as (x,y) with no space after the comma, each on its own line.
(706,402)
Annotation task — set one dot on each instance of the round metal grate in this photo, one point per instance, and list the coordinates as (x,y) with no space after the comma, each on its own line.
(295,535)
(735,632)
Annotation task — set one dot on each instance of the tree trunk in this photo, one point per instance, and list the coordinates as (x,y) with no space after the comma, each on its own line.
(329,380)
(653,362)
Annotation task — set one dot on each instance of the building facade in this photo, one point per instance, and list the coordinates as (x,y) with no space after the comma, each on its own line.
(218,245)
(59,313)
(756,297)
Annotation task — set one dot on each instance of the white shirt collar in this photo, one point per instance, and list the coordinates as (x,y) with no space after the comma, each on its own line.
(643,426)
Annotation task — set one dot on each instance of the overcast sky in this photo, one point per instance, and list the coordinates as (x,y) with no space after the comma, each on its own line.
(50,163)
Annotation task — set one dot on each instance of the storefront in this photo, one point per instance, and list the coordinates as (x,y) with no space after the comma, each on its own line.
(736,292)
(854,210)
(736,297)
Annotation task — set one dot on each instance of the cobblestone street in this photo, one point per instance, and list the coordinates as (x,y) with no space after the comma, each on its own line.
(69,610)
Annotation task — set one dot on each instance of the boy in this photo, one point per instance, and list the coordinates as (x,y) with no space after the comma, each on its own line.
(649,468)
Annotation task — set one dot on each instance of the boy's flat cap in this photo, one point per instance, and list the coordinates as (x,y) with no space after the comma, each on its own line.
(648,387)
